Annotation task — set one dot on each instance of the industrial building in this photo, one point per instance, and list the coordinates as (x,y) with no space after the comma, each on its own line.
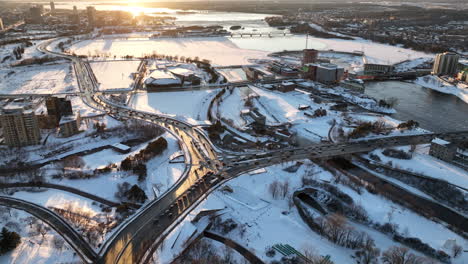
(286,86)
(19,125)
(254,74)
(373,69)
(309,56)
(326,73)
(283,69)
(446,64)
(449,152)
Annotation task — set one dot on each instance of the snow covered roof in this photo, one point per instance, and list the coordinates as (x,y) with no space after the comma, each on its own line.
(182,71)
(67,119)
(162,78)
(440,141)
(121,147)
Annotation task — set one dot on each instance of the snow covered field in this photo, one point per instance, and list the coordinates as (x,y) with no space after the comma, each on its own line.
(375,52)
(433,82)
(49,78)
(115,74)
(190,104)
(221,51)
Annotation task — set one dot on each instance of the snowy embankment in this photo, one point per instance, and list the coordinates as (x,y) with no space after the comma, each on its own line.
(263,221)
(460,90)
(422,163)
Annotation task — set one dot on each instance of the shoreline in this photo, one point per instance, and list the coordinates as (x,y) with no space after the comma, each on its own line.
(439,85)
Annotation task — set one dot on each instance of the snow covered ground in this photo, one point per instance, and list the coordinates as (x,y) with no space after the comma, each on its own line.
(375,52)
(190,104)
(266,221)
(48,78)
(115,74)
(220,50)
(427,165)
(35,248)
(433,82)
(411,64)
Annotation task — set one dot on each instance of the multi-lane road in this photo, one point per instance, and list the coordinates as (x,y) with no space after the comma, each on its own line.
(136,238)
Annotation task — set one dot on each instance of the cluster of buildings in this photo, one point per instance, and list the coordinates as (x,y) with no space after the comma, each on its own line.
(38,15)
(20,123)
(323,72)
(167,78)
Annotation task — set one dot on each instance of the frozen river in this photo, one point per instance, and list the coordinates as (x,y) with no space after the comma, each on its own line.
(434,111)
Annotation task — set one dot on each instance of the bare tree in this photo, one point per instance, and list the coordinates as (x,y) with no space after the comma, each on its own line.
(400,255)
(368,254)
(274,189)
(58,242)
(456,250)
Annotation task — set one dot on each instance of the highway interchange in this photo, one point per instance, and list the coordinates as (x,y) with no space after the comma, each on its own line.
(208,167)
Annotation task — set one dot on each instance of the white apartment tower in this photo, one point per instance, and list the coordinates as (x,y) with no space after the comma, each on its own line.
(445,63)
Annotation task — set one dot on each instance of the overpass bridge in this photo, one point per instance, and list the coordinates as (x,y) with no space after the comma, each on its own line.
(260,34)
(268,158)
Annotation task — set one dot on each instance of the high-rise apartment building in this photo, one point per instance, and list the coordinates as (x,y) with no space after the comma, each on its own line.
(75,17)
(58,107)
(446,63)
(52,7)
(35,13)
(20,127)
(2,27)
(91,12)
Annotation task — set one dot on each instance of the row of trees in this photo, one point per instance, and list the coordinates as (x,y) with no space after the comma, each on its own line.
(137,163)
(365,128)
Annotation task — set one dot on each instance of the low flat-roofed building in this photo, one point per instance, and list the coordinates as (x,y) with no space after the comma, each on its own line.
(449,152)
(161,79)
(121,148)
(286,86)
